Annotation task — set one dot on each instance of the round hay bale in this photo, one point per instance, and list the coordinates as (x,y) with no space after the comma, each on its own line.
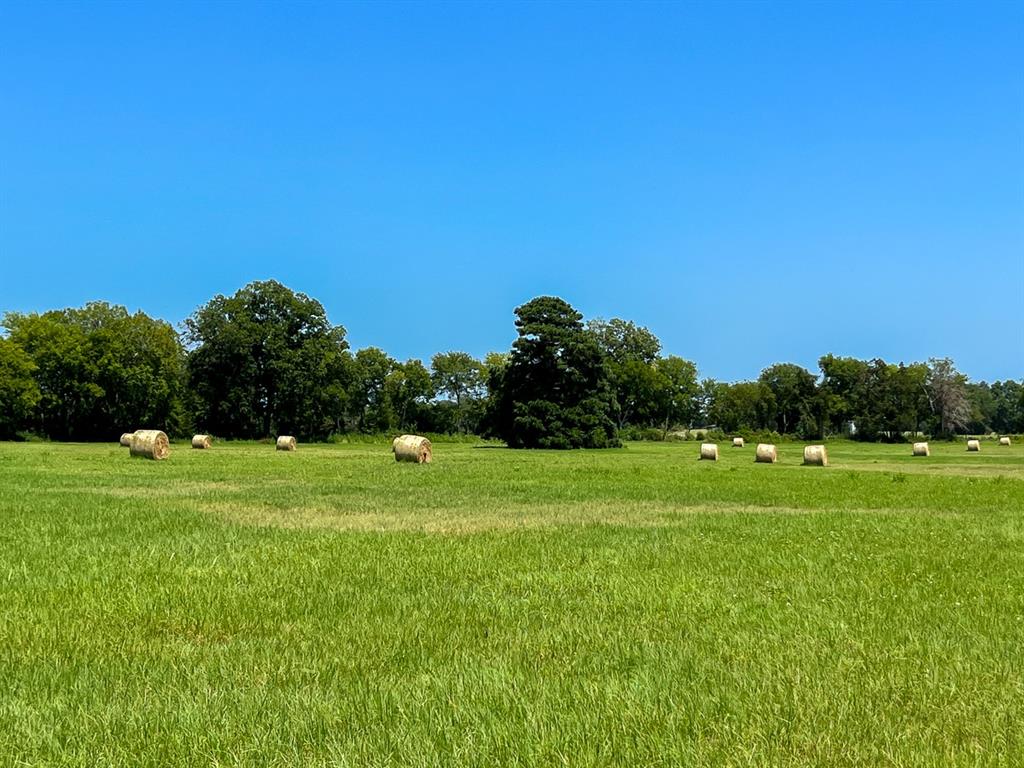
(126,439)
(201,441)
(412,448)
(815,456)
(921,449)
(708,452)
(737,442)
(150,444)
(287,443)
(974,446)
(1004,441)
(765,453)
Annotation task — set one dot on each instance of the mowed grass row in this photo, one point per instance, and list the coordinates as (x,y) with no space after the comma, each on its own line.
(241,606)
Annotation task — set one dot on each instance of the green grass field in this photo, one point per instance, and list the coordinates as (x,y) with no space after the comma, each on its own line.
(635,607)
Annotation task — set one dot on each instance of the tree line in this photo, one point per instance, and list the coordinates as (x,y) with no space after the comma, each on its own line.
(267,361)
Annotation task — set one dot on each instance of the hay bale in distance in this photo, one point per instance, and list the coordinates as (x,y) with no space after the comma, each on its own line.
(201,441)
(1004,441)
(126,439)
(286,443)
(815,456)
(709,452)
(921,449)
(974,446)
(412,448)
(737,442)
(150,444)
(766,453)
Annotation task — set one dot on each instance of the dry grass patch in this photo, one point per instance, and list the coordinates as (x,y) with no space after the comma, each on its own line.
(505,518)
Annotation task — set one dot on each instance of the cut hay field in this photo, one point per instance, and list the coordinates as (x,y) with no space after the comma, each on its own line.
(636,607)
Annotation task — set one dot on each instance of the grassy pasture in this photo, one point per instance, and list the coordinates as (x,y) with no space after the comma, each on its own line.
(242,606)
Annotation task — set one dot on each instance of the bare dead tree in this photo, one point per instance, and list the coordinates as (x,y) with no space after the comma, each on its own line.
(947,394)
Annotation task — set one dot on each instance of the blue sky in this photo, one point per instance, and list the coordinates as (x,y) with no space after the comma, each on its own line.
(754,182)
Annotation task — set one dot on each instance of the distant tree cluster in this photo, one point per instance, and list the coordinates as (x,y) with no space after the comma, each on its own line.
(267,361)
(72,374)
(867,399)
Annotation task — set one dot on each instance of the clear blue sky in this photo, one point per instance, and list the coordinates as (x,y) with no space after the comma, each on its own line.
(754,182)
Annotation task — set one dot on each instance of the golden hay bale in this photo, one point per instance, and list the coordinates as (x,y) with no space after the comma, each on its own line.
(708,452)
(150,444)
(1004,441)
(126,439)
(766,453)
(815,456)
(737,442)
(412,448)
(286,443)
(974,446)
(201,441)
(921,449)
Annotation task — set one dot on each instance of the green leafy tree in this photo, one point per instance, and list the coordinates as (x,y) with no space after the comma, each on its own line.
(622,341)
(370,394)
(793,388)
(266,361)
(101,370)
(555,390)
(409,387)
(881,399)
(677,396)
(65,371)
(705,400)
(461,378)
(495,365)
(744,405)
(841,390)
(1007,410)
(912,408)
(141,369)
(630,352)
(982,405)
(639,391)
(821,415)
(19,393)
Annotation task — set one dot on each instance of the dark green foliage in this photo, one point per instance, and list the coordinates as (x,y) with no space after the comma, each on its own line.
(650,391)
(678,393)
(461,378)
(101,371)
(882,400)
(623,341)
(746,405)
(997,407)
(371,407)
(409,389)
(267,361)
(630,352)
(555,391)
(387,395)
(793,389)
(19,393)
(1007,413)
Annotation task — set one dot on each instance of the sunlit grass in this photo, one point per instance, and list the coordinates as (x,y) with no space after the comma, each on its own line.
(628,607)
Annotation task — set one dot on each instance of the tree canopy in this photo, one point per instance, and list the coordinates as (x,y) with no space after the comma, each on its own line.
(99,369)
(461,378)
(267,360)
(555,391)
(19,393)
